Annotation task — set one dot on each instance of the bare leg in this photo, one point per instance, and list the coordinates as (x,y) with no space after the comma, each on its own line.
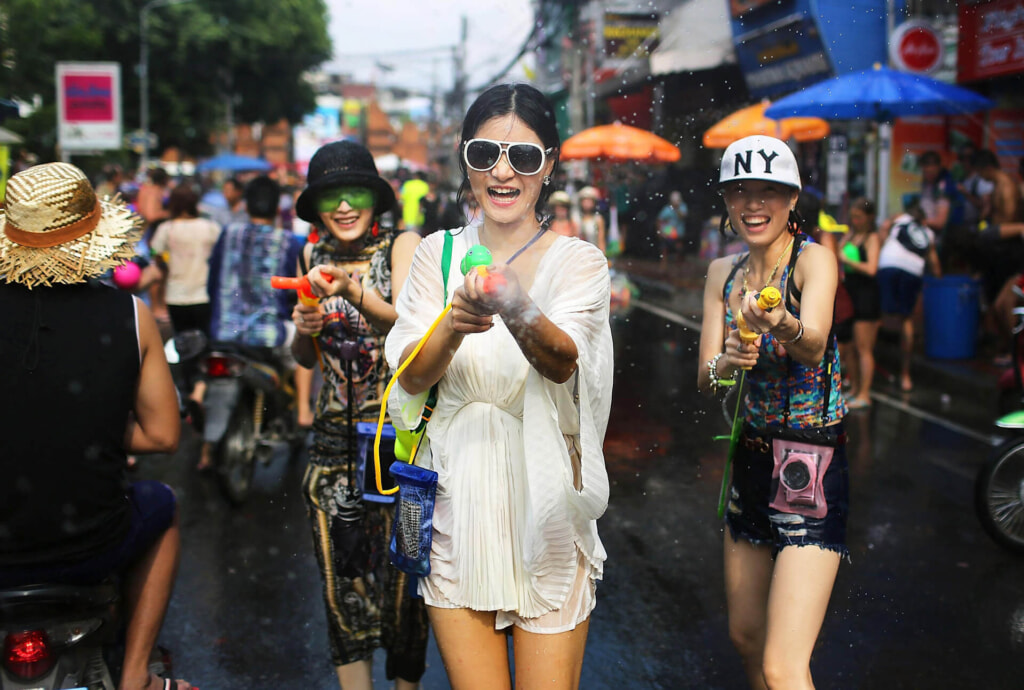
(549,661)
(205,456)
(303,390)
(801,587)
(475,655)
(906,350)
(748,572)
(865,333)
(147,591)
(356,676)
(848,360)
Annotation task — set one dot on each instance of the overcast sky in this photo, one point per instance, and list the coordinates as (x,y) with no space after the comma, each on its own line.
(414,37)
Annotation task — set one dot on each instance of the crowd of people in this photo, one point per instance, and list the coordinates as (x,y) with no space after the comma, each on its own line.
(522,370)
(510,387)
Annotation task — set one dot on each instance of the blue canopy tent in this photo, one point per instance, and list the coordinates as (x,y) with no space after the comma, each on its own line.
(879,95)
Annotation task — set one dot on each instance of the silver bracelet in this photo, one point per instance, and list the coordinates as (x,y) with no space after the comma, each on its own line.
(717,382)
(797,337)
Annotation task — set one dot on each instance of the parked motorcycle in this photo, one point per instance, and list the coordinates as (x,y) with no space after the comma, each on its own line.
(999,486)
(249,413)
(55,636)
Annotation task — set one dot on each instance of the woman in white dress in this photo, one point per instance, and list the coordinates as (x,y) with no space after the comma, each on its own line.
(524,368)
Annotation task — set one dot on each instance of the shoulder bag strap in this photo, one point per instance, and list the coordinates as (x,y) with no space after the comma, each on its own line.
(431,402)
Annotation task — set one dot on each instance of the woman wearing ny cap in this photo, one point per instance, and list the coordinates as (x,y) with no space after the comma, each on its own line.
(524,387)
(367,600)
(781,556)
(86,361)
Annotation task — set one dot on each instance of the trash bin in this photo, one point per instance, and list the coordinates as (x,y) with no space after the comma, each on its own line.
(951,307)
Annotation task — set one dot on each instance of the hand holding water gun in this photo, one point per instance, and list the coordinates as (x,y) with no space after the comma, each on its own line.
(306,314)
(487,290)
(764,302)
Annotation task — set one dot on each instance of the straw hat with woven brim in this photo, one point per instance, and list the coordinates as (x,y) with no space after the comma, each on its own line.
(53,229)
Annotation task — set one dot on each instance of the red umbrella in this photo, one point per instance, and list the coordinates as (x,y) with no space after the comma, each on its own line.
(617,143)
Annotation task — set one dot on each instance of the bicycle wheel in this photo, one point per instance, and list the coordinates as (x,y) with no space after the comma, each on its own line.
(999,495)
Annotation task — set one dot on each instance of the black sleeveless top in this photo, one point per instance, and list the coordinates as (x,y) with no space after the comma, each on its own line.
(69,363)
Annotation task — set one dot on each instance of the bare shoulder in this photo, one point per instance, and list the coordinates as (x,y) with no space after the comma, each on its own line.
(719,268)
(407,241)
(816,253)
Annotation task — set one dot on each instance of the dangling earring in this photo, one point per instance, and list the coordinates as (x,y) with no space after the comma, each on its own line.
(375,230)
(313,236)
(547,180)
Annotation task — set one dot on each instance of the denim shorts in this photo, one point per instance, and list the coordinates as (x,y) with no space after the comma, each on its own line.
(749,515)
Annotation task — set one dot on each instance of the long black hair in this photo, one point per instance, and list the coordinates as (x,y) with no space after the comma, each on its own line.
(531,107)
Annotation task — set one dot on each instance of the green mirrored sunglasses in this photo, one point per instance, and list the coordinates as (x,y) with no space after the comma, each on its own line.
(359,198)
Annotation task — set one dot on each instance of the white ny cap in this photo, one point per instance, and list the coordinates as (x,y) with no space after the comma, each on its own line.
(759,158)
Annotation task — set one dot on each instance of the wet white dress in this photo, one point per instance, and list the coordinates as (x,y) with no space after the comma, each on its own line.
(512,533)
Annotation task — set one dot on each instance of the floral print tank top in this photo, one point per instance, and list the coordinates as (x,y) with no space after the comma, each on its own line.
(765,402)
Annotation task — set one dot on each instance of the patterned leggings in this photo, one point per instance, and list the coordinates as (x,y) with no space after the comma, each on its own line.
(367,599)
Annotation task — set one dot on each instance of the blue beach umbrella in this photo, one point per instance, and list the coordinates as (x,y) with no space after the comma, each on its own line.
(879,95)
(231,162)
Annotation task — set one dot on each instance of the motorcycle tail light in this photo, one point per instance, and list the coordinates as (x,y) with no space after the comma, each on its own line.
(219,366)
(28,654)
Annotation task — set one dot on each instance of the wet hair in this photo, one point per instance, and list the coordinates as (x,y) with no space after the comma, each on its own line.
(912,205)
(527,104)
(929,158)
(158,176)
(183,201)
(867,207)
(262,197)
(984,158)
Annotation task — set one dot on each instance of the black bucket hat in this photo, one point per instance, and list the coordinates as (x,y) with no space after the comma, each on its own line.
(339,164)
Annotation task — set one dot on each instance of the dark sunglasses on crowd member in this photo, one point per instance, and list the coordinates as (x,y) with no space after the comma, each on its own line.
(524,158)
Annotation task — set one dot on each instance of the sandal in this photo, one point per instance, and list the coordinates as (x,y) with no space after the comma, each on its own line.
(170,684)
(858,404)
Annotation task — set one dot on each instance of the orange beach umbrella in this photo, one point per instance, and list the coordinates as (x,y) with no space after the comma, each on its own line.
(618,142)
(751,120)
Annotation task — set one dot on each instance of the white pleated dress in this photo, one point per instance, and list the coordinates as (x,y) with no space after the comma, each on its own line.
(512,533)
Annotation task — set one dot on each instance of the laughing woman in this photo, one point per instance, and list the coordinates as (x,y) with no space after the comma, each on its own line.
(367,600)
(524,372)
(786,515)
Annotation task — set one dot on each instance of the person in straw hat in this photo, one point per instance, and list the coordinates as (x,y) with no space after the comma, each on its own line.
(84,360)
(560,204)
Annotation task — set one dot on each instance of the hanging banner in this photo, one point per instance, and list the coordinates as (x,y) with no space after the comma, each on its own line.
(89,106)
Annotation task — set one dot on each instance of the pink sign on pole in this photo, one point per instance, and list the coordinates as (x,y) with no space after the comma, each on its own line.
(89,106)
(88,97)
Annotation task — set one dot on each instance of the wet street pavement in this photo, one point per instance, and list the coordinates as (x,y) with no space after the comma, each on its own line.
(927,601)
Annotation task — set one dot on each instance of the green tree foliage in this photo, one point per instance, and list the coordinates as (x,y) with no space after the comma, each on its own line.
(209,61)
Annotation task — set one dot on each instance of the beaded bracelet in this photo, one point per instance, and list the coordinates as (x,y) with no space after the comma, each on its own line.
(717,382)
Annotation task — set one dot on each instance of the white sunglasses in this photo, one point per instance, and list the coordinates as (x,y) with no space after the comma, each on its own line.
(523,157)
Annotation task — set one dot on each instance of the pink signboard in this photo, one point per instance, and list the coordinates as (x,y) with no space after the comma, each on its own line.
(88,97)
(89,106)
